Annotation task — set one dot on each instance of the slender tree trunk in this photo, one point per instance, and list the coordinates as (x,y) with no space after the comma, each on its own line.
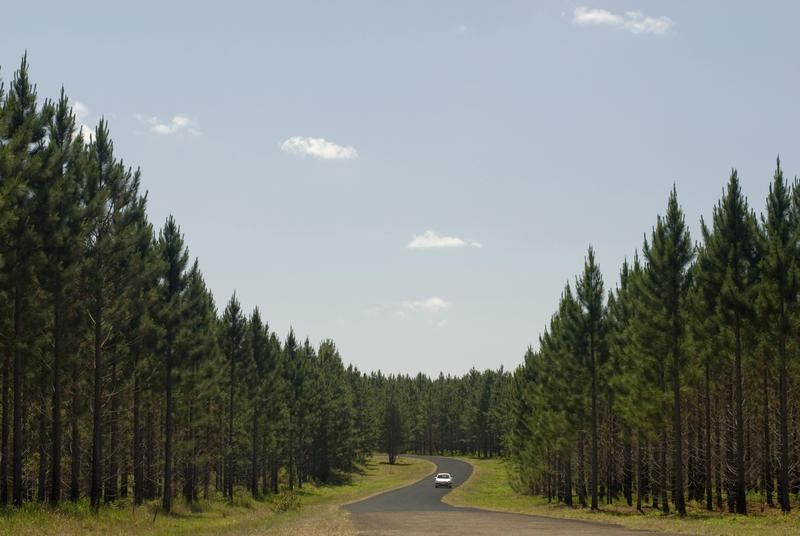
(97,422)
(730,447)
(75,448)
(273,479)
(123,478)
(662,472)
(55,486)
(691,464)
(167,501)
(767,454)
(568,482)
(229,450)
(593,477)
(254,459)
(640,470)
(138,474)
(581,466)
(627,465)
(149,452)
(720,461)
(655,479)
(42,480)
(783,417)
(189,478)
(677,432)
(112,480)
(741,499)
(17,462)
(4,457)
(708,465)
(291,454)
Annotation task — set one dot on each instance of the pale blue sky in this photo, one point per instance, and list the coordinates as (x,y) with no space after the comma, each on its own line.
(530,128)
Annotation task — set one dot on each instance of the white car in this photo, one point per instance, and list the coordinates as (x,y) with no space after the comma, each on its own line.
(443,480)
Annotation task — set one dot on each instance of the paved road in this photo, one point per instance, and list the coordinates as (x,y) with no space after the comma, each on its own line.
(419,497)
(418,509)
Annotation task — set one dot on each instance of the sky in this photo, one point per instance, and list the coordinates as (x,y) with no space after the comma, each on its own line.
(419,180)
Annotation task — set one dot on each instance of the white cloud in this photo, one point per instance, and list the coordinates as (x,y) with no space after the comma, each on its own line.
(318,148)
(432,239)
(177,125)
(431,305)
(81,112)
(635,22)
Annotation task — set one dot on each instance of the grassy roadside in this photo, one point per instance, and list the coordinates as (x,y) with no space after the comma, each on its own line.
(488,488)
(314,510)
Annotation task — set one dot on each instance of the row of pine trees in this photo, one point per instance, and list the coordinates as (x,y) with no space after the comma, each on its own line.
(120,379)
(681,383)
(118,375)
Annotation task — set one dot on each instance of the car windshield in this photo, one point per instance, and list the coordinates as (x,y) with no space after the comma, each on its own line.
(443,475)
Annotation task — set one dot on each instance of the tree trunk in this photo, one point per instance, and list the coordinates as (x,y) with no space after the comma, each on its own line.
(112,480)
(149,464)
(720,461)
(229,449)
(640,471)
(42,480)
(138,474)
(4,448)
(741,499)
(581,466)
(254,458)
(17,462)
(708,465)
(568,482)
(55,487)
(627,465)
(167,502)
(783,417)
(767,454)
(75,448)
(97,422)
(593,477)
(677,432)
(662,472)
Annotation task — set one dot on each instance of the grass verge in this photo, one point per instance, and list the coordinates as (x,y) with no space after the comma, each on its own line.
(313,510)
(489,488)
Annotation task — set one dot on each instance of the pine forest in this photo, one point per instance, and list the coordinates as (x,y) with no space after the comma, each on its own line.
(123,379)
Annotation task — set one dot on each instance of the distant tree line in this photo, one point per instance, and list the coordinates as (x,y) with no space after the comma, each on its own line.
(681,383)
(120,378)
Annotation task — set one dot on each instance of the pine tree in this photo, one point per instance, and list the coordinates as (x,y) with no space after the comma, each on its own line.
(729,266)
(668,258)
(234,330)
(60,221)
(778,302)
(111,194)
(590,295)
(21,161)
(173,282)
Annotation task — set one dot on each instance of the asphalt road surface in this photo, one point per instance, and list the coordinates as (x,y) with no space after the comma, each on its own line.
(418,509)
(419,497)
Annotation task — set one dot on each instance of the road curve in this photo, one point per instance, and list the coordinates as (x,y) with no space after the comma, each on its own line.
(421,496)
(418,509)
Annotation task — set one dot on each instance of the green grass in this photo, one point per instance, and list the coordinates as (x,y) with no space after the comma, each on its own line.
(311,510)
(489,488)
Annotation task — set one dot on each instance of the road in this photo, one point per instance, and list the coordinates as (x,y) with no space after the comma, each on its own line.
(418,509)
